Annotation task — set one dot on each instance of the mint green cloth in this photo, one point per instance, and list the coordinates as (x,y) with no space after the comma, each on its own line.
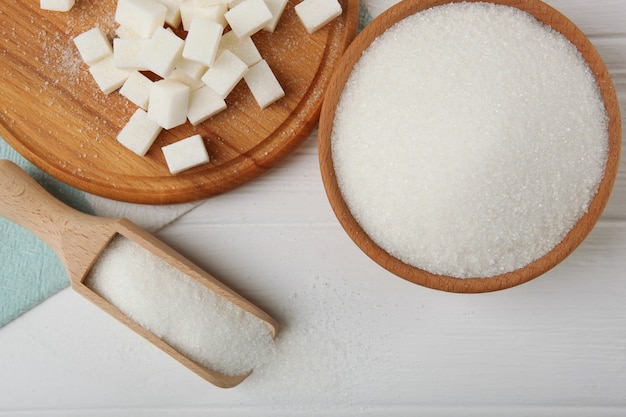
(30,271)
(364,16)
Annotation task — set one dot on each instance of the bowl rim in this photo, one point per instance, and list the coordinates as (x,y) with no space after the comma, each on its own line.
(545,14)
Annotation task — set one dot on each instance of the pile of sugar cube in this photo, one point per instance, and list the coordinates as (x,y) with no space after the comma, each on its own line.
(195,74)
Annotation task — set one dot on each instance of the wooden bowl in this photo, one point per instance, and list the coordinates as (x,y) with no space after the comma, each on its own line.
(543,13)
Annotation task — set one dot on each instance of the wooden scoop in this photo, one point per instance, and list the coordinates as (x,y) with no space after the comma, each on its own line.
(78,239)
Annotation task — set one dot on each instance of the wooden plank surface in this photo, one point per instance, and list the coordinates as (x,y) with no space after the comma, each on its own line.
(554,345)
(364,342)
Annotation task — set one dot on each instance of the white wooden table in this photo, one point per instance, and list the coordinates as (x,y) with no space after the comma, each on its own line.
(355,339)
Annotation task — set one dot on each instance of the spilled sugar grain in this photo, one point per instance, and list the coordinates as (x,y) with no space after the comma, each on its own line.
(325,358)
(59,55)
(60,58)
(470,154)
(65,75)
(185,314)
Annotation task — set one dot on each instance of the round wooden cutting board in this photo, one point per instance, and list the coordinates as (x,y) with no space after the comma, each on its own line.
(55,116)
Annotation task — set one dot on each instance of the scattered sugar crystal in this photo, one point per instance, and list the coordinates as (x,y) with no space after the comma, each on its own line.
(139,133)
(185,154)
(319,343)
(317,13)
(93,46)
(179,310)
(482,148)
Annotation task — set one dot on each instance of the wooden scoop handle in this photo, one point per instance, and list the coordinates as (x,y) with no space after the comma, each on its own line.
(26,203)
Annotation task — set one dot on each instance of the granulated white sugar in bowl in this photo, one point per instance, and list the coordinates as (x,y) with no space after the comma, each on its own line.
(469,139)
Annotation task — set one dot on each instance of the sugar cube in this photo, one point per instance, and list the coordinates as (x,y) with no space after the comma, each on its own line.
(194,70)
(162,53)
(143,16)
(204,103)
(93,46)
(139,133)
(137,89)
(108,77)
(208,9)
(185,154)
(127,51)
(233,3)
(57,5)
(202,41)
(263,84)
(168,104)
(172,15)
(126,33)
(225,73)
(277,7)
(316,13)
(181,76)
(248,17)
(244,48)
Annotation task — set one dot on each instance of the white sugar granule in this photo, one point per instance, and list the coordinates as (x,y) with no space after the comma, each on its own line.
(326,358)
(469,139)
(185,314)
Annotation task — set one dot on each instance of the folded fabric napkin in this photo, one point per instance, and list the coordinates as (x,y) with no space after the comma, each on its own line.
(30,271)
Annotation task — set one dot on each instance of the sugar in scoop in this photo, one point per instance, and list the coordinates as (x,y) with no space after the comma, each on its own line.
(145,284)
(179,310)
